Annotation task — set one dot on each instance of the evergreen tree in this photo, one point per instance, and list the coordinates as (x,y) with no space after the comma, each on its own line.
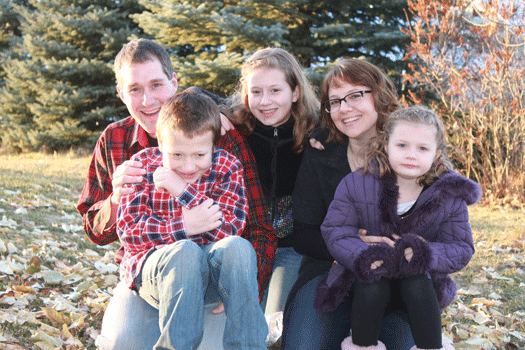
(59,83)
(209,40)
(9,31)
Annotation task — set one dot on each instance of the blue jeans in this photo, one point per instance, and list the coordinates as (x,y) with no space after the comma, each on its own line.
(285,270)
(129,322)
(305,328)
(174,280)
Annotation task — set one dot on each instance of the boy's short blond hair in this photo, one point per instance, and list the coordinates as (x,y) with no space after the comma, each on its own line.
(191,114)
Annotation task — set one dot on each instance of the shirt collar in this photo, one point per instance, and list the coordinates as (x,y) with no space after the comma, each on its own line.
(140,136)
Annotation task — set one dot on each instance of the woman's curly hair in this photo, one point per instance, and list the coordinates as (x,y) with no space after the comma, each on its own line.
(359,72)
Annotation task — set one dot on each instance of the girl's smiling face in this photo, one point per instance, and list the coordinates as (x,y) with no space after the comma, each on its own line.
(270,97)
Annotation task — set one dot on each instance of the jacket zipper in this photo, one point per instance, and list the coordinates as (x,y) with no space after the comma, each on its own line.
(274,171)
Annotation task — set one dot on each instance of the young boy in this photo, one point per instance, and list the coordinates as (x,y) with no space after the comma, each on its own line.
(180,230)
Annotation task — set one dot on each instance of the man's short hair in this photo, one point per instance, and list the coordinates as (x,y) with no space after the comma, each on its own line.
(140,51)
(190,113)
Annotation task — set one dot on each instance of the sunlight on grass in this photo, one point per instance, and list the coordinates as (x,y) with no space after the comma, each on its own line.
(497,265)
(66,169)
(496,224)
(41,191)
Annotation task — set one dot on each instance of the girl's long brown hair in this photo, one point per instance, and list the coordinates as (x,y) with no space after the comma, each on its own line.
(305,111)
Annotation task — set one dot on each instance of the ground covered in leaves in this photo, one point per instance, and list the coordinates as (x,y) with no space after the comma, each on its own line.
(55,285)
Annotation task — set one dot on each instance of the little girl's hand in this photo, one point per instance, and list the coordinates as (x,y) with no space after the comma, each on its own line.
(376,264)
(409,253)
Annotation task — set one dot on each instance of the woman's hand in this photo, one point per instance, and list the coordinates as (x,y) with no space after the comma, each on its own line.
(377,239)
(409,253)
(376,264)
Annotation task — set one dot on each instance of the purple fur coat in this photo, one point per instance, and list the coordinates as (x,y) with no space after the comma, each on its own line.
(440,217)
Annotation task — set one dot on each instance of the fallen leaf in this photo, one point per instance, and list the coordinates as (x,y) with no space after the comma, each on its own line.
(53,316)
(52,277)
(483,301)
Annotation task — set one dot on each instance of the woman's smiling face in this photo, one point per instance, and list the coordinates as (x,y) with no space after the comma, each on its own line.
(270,97)
(355,121)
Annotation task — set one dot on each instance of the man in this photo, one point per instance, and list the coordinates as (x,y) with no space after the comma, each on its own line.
(145,80)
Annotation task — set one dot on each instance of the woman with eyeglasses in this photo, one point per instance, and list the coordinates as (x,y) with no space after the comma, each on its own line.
(356,99)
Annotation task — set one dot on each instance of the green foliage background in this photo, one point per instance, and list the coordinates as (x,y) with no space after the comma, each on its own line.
(56,80)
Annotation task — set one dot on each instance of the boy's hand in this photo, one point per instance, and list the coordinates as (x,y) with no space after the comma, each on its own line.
(218,310)
(202,218)
(167,179)
(130,171)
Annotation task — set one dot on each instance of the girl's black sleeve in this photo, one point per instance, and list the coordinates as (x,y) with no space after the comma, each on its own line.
(218,100)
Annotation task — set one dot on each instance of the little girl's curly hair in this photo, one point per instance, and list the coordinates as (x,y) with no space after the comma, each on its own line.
(377,158)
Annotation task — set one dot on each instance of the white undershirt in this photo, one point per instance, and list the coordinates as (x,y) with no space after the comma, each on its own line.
(402,208)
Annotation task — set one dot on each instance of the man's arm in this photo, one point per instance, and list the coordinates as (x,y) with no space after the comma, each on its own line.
(95,201)
(144,220)
(105,183)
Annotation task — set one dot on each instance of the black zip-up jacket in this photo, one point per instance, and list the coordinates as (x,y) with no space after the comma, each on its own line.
(277,164)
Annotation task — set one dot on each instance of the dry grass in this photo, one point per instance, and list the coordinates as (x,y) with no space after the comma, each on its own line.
(39,192)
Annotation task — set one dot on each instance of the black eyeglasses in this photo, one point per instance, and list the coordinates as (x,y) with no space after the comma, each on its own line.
(353,99)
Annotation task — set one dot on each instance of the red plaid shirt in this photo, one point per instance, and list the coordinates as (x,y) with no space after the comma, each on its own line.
(124,138)
(150,219)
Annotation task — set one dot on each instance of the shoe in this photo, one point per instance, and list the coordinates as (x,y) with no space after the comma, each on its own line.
(347,344)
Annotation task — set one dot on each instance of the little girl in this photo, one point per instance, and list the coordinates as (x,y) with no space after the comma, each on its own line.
(409,195)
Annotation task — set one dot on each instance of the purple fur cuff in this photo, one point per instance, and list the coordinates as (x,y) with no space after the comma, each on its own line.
(365,259)
(420,262)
